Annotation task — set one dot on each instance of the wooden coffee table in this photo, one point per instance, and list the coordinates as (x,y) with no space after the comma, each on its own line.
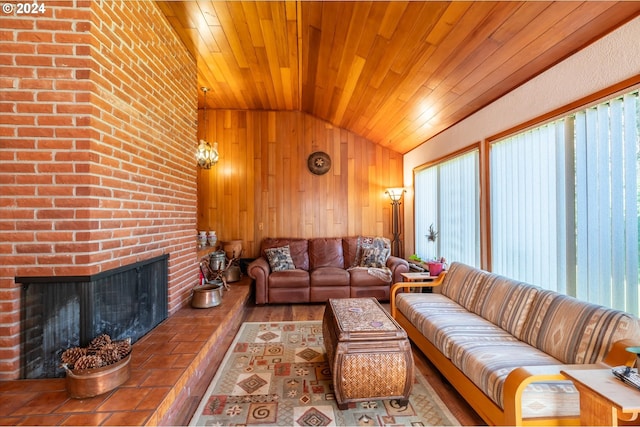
(368,352)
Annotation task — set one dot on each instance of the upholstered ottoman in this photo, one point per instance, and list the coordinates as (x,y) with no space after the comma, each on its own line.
(368,352)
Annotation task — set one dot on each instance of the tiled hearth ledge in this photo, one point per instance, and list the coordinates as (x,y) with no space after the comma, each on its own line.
(170,368)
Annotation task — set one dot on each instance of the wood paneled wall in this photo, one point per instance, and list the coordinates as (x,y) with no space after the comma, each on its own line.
(261,186)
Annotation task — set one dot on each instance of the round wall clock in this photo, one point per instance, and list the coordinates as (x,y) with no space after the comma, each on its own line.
(319,163)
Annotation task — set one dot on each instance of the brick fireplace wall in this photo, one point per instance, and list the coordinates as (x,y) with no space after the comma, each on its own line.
(97,137)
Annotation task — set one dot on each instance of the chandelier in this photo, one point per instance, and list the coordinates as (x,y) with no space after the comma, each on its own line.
(207,154)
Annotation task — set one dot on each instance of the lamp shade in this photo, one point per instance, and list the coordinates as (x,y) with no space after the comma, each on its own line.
(395,194)
(207,155)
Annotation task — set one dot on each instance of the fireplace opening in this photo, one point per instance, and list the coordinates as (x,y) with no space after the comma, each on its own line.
(62,312)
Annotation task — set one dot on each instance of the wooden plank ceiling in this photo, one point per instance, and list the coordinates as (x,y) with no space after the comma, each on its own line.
(394,72)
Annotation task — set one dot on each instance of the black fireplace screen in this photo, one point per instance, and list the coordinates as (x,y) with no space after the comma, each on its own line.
(63,312)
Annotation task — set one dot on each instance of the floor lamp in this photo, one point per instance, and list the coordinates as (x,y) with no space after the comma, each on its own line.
(395,194)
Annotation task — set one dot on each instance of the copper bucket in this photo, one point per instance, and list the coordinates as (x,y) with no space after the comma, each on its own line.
(208,295)
(85,383)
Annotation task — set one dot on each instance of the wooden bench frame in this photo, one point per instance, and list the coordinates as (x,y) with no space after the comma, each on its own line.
(516,381)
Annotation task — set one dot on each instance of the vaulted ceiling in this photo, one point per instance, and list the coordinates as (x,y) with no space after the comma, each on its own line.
(395,72)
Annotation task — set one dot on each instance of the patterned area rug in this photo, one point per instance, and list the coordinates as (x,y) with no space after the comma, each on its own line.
(276,374)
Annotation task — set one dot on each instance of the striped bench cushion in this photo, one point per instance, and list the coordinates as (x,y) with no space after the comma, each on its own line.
(574,331)
(444,322)
(461,283)
(504,302)
(488,364)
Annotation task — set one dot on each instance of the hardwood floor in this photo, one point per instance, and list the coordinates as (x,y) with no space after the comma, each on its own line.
(301,312)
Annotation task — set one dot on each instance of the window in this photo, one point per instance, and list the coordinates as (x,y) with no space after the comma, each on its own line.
(527,206)
(447,198)
(564,204)
(607,141)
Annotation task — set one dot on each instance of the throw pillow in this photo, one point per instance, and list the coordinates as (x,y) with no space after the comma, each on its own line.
(373,257)
(280,258)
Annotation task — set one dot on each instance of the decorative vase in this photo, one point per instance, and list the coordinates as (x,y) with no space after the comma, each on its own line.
(202,239)
(212,238)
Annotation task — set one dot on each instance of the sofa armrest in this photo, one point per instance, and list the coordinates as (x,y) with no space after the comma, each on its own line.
(619,356)
(397,266)
(396,287)
(259,270)
(521,377)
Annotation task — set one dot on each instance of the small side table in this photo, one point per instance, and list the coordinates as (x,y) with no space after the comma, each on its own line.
(419,277)
(604,399)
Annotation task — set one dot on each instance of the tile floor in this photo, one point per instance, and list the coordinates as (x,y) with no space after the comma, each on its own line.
(167,365)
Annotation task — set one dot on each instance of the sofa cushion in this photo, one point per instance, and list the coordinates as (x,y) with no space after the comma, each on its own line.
(487,365)
(444,322)
(325,253)
(279,258)
(575,331)
(349,249)
(329,276)
(364,277)
(299,249)
(289,279)
(461,283)
(504,302)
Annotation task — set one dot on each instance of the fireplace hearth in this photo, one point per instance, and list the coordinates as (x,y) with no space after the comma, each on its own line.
(62,312)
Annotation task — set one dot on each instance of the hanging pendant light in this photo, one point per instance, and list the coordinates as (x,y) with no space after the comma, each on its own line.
(207,154)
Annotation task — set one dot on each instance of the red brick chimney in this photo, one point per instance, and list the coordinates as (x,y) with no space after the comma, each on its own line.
(98,103)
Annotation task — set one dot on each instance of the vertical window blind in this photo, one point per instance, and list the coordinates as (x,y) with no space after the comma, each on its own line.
(607,143)
(527,199)
(447,197)
(564,204)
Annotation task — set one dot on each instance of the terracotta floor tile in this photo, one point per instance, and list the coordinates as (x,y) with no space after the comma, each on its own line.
(204,337)
(185,328)
(140,354)
(187,336)
(183,361)
(43,403)
(41,420)
(10,402)
(165,347)
(134,418)
(162,377)
(138,359)
(124,399)
(192,347)
(160,361)
(52,384)
(154,398)
(138,376)
(86,419)
(82,405)
(163,335)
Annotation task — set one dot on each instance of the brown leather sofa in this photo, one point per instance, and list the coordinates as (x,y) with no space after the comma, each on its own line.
(322,271)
